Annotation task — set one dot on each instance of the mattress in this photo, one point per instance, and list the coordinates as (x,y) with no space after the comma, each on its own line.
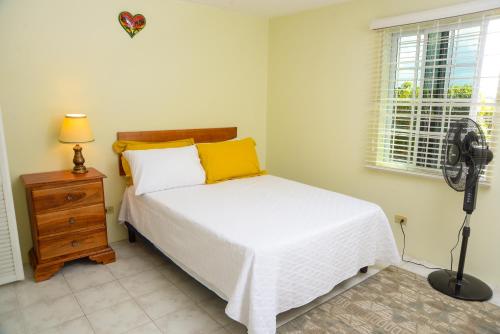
(265,244)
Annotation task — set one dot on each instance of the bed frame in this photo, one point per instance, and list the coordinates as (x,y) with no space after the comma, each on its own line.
(208,135)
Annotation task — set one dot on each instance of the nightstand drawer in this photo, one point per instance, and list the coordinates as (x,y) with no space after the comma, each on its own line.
(68,244)
(70,220)
(67,197)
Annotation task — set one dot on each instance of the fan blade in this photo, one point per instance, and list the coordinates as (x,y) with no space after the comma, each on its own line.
(457,132)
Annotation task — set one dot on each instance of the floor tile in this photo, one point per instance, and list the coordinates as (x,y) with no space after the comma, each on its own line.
(145,282)
(124,249)
(118,318)
(216,308)
(195,290)
(8,298)
(140,248)
(47,314)
(85,274)
(102,296)
(30,292)
(236,328)
(155,257)
(173,273)
(158,303)
(129,266)
(191,320)
(76,326)
(220,331)
(124,296)
(12,323)
(149,328)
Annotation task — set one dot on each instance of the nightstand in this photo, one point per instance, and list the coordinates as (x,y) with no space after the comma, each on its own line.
(68,220)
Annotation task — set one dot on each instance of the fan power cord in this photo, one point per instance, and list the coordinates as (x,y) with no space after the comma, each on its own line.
(403,253)
(458,240)
(451,250)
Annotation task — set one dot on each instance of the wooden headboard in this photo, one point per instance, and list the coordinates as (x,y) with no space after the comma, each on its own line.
(199,136)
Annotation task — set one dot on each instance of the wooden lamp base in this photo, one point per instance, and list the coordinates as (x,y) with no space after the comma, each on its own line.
(79,161)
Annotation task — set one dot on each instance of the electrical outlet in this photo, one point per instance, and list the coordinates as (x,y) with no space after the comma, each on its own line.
(110,210)
(399,219)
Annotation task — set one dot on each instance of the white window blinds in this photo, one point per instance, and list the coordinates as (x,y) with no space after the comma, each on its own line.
(426,76)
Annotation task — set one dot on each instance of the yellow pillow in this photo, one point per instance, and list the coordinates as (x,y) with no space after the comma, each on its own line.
(124,145)
(229,159)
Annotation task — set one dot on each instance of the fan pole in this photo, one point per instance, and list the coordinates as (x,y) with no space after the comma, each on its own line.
(463,252)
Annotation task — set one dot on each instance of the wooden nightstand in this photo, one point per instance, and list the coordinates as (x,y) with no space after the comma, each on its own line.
(68,220)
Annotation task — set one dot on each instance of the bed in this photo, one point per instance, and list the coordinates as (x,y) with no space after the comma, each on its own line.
(264,244)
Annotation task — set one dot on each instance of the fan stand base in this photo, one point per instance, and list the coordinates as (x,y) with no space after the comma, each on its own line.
(471,288)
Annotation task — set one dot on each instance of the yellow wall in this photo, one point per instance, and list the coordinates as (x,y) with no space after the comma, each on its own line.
(192,66)
(197,66)
(319,102)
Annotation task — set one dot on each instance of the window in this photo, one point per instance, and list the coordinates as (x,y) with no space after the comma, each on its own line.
(428,75)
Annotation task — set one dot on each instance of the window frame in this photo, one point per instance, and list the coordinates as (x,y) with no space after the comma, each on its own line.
(389,80)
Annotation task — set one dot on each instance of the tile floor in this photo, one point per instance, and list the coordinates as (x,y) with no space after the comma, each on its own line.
(141,292)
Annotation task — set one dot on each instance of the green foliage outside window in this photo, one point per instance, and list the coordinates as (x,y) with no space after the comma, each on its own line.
(405,91)
(484,117)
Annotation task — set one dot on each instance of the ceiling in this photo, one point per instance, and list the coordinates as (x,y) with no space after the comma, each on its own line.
(268,7)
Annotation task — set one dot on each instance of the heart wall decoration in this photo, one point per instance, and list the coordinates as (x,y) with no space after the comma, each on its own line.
(132,23)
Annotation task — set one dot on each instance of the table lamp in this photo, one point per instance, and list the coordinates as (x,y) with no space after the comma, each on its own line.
(75,129)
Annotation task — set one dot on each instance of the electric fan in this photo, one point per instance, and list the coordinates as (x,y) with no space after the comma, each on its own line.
(464,156)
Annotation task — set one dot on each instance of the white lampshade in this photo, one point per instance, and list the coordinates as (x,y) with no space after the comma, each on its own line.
(76,129)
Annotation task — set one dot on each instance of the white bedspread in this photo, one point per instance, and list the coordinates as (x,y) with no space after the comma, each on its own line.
(264,244)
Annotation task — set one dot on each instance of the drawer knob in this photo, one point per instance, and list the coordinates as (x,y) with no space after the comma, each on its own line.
(75,243)
(71,221)
(69,197)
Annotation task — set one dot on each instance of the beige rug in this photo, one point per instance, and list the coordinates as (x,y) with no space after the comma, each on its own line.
(396,301)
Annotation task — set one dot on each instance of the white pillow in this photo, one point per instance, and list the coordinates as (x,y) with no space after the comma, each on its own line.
(161,169)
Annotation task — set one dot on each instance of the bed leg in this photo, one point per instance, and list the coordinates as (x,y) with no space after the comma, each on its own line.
(131,234)
(363,270)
